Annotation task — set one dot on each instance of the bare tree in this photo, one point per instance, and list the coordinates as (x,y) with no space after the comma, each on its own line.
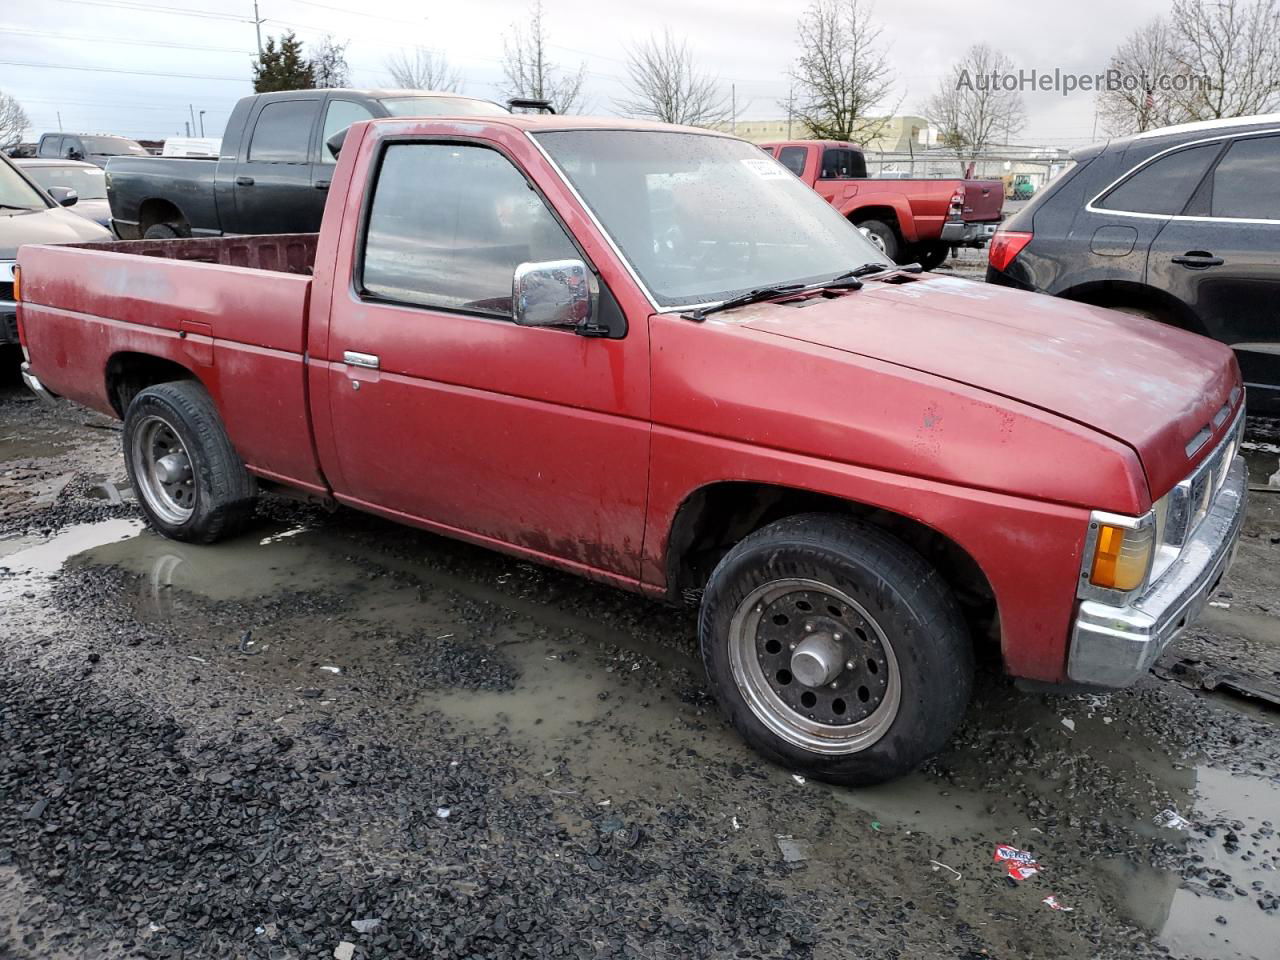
(13,121)
(329,63)
(664,86)
(972,108)
(530,72)
(1146,56)
(421,69)
(1233,48)
(843,72)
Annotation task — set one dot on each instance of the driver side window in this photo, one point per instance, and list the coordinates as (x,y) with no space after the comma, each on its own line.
(448,226)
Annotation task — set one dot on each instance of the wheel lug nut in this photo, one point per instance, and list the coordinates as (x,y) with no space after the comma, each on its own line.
(791,646)
(834,685)
(835,636)
(808,628)
(848,664)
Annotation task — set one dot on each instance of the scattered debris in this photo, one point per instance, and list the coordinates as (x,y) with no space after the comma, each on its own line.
(192,656)
(736,824)
(875,825)
(793,851)
(331,669)
(1069,723)
(1171,820)
(1198,674)
(370,925)
(114,493)
(1053,903)
(1018,864)
(939,864)
(344,951)
(1220,604)
(798,779)
(443,813)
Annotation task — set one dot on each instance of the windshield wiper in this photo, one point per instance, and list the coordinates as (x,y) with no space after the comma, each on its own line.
(873,271)
(14,206)
(742,299)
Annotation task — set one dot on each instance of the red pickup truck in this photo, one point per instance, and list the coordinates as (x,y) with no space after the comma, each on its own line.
(552,336)
(910,220)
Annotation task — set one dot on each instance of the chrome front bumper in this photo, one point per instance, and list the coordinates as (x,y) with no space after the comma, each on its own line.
(1113,646)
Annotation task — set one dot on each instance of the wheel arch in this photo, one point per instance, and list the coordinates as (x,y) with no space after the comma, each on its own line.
(898,218)
(1128,293)
(158,210)
(129,373)
(714,517)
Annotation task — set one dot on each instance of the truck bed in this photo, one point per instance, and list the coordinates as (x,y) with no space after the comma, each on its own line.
(279,253)
(230,310)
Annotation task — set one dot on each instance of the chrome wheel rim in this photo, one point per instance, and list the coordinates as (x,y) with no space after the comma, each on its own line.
(164,471)
(875,238)
(814,666)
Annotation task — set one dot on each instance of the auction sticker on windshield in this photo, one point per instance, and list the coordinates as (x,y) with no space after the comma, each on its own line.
(765,169)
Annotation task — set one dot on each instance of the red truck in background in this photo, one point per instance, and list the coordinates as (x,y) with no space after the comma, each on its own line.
(551,336)
(910,220)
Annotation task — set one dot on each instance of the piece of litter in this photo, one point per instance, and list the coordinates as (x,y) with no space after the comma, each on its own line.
(939,863)
(369,925)
(1053,903)
(798,779)
(196,659)
(258,930)
(604,803)
(344,951)
(1220,604)
(875,824)
(1171,819)
(793,851)
(1018,864)
(736,824)
(443,812)
(1068,723)
(444,636)
(332,669)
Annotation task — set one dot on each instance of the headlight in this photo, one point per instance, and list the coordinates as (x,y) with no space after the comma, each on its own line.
(1122,550)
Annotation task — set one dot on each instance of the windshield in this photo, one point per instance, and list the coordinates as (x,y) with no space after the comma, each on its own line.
(441,107)
(89,182)
(112,146)
(16,192)
(704,218)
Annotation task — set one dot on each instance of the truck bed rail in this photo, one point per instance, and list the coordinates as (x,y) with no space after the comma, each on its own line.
(278,253)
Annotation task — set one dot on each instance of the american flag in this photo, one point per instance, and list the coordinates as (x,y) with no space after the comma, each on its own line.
(1150,103)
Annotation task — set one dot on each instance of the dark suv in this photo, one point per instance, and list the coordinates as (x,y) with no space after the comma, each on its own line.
(1180,224)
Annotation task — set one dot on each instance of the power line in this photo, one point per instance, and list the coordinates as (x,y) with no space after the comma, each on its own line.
(153,8)
(142,43)
(138,73)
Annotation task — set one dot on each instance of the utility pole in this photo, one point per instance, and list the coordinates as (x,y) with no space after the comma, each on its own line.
(202,123)
(257,25)
(733,95)
(791,96)
(59,121)
(192,110)
(187,124)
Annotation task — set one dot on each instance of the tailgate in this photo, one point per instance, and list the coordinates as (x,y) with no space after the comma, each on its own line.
(983,200)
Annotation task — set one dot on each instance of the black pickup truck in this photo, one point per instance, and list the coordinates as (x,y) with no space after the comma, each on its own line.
(274,169)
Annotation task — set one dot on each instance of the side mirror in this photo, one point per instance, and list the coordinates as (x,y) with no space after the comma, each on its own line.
(64,196)
(75,155)
(554,293)
(334,143)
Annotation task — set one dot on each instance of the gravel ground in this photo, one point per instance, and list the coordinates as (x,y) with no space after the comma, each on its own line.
(340,737)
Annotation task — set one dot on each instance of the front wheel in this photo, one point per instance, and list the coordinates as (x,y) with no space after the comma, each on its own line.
(189,480)
(932,255)
(835,649)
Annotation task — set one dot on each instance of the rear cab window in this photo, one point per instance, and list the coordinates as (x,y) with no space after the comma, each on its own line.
(794,158)
(339,115)
(843,163)
(282,133)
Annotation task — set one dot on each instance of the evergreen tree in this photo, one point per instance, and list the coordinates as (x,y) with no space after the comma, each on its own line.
(283,67)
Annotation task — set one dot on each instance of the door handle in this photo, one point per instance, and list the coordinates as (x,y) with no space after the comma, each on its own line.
(1198,260)
(322,184)
(366,360)
(244,181)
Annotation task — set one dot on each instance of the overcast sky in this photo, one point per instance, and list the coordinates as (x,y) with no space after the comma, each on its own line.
(86,58)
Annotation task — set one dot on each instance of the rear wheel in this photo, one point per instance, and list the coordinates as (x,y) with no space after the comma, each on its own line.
(835,649)
(189,480)
(165,231)
(882,236)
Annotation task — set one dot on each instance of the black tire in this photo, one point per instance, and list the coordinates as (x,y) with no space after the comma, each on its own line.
(166,231)
(221,493)
(932,255)
(906,600)
(884,236)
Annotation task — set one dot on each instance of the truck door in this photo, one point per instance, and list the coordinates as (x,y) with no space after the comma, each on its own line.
(1220,257)
(274,190)
(443,410)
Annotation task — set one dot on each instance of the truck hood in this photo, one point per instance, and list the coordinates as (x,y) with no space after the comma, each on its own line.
(55,225)
(1147,385)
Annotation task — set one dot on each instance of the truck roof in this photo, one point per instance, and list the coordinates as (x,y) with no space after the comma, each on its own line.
(549,122)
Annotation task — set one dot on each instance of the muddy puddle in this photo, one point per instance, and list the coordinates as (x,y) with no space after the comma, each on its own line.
(599,698)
